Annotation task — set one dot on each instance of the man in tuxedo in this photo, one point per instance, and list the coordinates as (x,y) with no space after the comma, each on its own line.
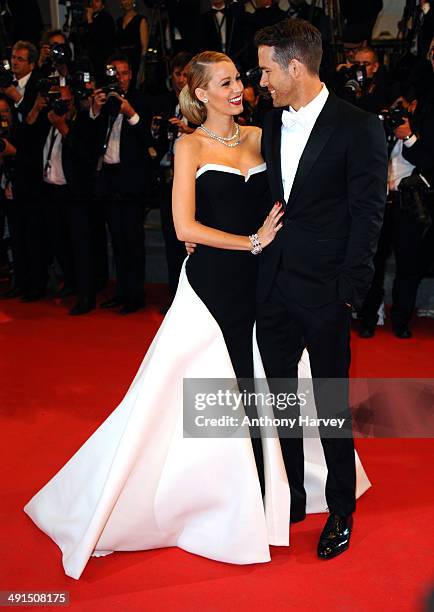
(23,90)
(123,177)
(221,31)
(327,165)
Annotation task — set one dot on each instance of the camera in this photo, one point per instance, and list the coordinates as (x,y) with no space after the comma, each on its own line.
(161,126)
(355,79)
(48,87)
(60,53)
(78,82)
(394,117)
(6,74)
(112,89)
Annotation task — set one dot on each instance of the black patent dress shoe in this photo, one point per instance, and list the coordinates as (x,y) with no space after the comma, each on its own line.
(335,537)
(82,307)
(366,332)
(130,307)
(402,332)
(111,303)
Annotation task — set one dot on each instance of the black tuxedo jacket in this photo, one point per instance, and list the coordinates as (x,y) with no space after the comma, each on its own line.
(30,93)
(79,152)
(135,140)
(335,209)
(210,36)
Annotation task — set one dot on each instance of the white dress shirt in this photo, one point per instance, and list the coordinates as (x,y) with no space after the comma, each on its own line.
(399,167)
(21,87)
(112,153)
(296,129)
(54,173)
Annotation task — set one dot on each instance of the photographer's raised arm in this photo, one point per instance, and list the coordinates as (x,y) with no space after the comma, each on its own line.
(188,228)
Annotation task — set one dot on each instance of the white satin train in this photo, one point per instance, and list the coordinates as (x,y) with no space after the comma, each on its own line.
(138,484)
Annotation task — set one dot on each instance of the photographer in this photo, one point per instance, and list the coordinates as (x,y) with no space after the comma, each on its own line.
(363,81)
(20,85)
(123,141)
(55,55)
(67,159)
(167,125)
(413,231)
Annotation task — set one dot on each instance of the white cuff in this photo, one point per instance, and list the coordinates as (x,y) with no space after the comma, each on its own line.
(134,120)
(410,142)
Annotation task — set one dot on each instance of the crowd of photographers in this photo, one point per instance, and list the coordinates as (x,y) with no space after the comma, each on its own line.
(83,150)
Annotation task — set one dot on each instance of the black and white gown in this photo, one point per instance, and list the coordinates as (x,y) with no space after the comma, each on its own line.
(137,483)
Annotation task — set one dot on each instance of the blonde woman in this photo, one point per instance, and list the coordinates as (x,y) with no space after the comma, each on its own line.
(149,477)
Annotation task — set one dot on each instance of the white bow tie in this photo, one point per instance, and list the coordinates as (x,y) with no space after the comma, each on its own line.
(290,120)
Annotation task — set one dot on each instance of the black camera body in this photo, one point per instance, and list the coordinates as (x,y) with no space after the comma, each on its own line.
(6,74)
(394,117)
(355,79)
(112,90)
(161,127)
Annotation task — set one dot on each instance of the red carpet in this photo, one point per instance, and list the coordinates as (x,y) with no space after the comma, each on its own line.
(61,376)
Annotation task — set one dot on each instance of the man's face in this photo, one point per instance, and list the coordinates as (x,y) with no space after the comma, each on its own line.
(367,59)
(431,53)
(410,107)
(179,78)
(57,39)
(350,50)
(97,5)
(21,66)
(5,112)
(277,80)
(124,75)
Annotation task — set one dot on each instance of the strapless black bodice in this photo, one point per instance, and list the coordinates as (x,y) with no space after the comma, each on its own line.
(224,279)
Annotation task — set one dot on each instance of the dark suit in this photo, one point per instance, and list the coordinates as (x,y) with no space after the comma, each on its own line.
(211,39)
(320,261)
(122,188)
(68,208)
(30,93)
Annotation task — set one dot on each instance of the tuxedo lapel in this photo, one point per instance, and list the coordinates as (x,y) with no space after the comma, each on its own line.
(321,132)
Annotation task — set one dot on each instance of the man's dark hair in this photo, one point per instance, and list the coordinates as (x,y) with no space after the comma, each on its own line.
(180,60)
(50,33)
(118,57)
(293,39)
(4,98)
(368,49)
(404,90)
(21,45)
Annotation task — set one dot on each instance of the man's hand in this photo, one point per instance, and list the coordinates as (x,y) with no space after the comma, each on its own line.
(9,149)
(99,98)
(182,127)
(345,65)
(404,130)
(190,247)
(59,122)
(89,14)
(126,108)
(44,54)
(12,93)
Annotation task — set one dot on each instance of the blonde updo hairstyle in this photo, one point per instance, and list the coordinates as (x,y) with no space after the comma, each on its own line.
(198,76)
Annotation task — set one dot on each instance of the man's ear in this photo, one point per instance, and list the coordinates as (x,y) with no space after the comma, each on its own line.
(412,106)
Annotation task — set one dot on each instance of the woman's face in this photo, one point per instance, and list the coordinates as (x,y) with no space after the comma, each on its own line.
(224,91)
(127,5)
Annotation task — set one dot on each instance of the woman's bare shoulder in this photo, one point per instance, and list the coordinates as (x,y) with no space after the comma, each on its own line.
(252,135)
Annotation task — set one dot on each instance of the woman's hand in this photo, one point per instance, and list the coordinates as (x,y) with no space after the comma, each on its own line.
(271,226)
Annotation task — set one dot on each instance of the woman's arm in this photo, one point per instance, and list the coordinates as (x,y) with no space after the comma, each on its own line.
(144,36)
(188,229)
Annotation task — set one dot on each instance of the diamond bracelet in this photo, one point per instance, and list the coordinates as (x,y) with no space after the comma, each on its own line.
(256,244)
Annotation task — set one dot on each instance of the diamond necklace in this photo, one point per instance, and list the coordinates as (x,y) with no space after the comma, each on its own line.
(222,139)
